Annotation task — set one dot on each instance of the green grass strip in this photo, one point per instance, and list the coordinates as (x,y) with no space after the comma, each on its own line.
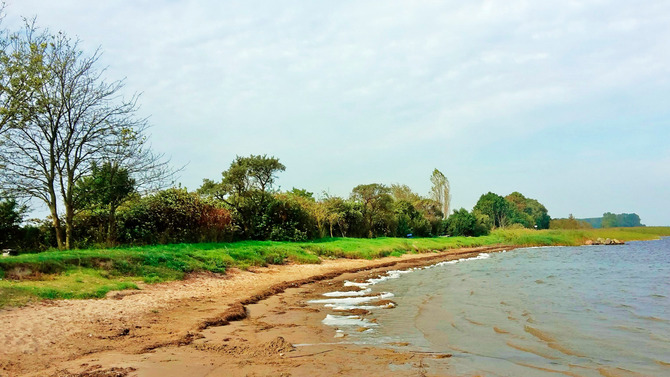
(91,273)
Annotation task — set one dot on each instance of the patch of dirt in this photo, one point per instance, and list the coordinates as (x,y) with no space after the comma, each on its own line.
(277,346)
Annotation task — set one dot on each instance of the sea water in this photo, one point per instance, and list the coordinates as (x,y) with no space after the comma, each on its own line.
(579,311)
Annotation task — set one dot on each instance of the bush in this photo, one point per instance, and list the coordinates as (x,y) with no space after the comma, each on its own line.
(35,238)
(569,223)
(461,223)
(11,215)
(173,216)
(290,221)
(464,223)
(90,228)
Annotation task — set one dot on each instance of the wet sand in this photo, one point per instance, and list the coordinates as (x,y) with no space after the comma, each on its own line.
(246,323)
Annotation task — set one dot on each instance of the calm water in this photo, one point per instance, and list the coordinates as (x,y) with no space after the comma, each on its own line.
(585,311)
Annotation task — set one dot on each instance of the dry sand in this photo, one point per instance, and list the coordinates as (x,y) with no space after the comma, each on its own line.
(244,323)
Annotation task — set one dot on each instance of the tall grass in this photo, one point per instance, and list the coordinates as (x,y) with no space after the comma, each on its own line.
(93,272)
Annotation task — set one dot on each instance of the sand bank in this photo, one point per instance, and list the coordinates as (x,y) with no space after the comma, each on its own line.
(243,323)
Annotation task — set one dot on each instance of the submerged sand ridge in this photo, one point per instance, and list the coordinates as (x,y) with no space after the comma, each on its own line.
(134,332)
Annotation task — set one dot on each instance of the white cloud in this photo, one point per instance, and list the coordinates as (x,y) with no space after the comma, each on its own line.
(340,87)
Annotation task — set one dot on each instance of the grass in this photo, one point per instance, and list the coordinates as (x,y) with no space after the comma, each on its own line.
(76,283)
(91,273)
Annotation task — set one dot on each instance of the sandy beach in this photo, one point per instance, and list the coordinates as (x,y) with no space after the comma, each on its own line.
(244,323)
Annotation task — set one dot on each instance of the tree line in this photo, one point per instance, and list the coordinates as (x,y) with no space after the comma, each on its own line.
(70,139)
(608,220)
(245,204)
(611,220)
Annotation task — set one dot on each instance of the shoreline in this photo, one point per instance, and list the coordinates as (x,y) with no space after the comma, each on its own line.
(123,335)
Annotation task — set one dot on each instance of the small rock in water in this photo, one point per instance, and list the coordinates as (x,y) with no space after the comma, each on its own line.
(606,241)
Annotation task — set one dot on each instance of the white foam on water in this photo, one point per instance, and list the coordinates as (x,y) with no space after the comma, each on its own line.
(342,301)
(348,283)
(346,320)
(351,300)
(348,294)
(366,307)
(394,274)
(478,257)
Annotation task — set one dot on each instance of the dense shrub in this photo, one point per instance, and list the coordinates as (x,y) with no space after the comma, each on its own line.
(173,216)
(409,220)
(290,221)
(35,238)
(11,215)
(464,223)
(90,228)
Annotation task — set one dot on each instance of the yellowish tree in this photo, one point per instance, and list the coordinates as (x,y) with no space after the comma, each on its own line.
(441,191)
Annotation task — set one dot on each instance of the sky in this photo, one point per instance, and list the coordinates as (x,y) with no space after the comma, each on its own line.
(564,101)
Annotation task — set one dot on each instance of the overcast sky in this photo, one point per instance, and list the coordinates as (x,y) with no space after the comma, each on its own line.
(565,101)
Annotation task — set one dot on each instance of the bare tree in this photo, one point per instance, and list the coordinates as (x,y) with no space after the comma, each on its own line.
(78,120)
(441,191)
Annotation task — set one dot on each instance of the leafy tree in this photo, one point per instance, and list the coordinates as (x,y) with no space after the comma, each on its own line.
(609,220)
(483,224)
(496,208)
(345,216)
(105,188)
(377,207)
(432,212)
(615,220)
(246,188)
(538,213)
(290,219)
(403,192)
(528,212)
(461,223)
(315,209)
(245,174)
(423,219)
(628,220)
(470,224)
(409,220)
(302,193)
(22,72)
(441,191)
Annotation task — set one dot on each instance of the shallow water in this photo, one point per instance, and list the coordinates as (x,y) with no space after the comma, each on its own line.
(585,311)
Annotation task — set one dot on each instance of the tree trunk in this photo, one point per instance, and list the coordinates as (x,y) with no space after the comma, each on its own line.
(69,226)
(56,225)
(344,233)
